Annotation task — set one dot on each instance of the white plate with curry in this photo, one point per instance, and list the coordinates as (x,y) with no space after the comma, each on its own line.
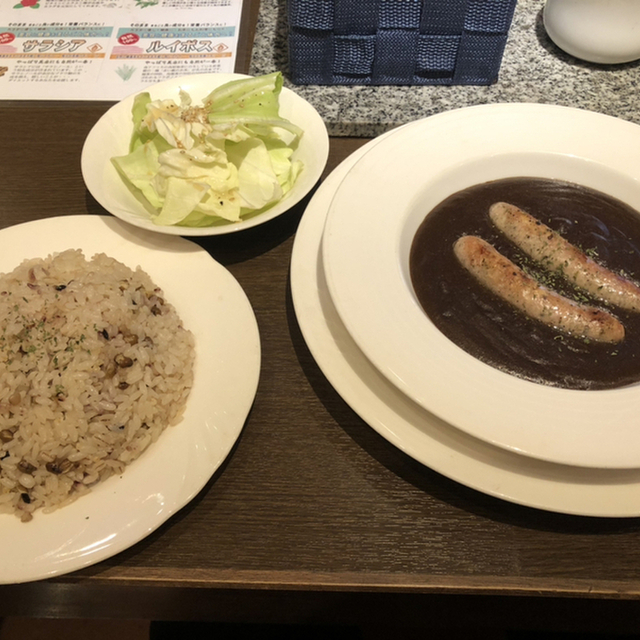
(367,244)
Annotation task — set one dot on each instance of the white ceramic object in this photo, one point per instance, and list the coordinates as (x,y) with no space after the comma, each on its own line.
(371,223)
(602,31)
(124,509)
(110,137)
(418,433)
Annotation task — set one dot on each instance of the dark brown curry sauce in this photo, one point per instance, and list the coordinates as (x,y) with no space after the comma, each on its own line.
(492,330)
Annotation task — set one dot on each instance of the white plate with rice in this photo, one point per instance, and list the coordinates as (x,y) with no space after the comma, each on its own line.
(124,508)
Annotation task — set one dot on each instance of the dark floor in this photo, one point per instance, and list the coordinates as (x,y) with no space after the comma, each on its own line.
(42,629)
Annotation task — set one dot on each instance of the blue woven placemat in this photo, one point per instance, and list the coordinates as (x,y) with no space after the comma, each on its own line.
(397,42)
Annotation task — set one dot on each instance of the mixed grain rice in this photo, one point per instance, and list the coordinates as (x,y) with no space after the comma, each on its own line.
(94,365)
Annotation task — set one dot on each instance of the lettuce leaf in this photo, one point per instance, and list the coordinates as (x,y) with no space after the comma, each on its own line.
(254,101)
(203,165)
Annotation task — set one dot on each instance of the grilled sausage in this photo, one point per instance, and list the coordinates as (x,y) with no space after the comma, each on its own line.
(508,281)
(555,254)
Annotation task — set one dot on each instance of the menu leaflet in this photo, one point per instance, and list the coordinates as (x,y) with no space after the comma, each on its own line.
(108,49)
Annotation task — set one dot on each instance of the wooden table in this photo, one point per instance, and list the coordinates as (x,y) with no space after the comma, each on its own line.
(314,517)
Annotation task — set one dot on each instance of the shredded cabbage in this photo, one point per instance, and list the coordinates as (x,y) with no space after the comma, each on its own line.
(220,161)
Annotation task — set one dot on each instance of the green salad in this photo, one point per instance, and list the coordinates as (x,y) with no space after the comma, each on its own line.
(199,165)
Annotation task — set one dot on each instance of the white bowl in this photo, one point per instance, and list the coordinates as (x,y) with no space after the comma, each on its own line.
(372,220)
(603,31)
(111,134)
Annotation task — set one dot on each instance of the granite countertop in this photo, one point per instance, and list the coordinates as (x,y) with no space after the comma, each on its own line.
(533,70)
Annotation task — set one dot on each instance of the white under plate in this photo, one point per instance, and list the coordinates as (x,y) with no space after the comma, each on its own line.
(110,137)
(372,220)
(124,509)
(420,434)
